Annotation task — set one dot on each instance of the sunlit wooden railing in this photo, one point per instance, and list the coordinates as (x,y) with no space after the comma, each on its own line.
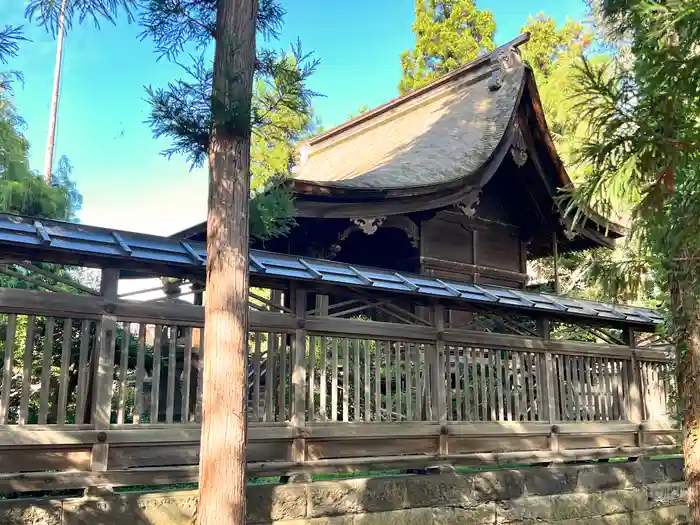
(100,391)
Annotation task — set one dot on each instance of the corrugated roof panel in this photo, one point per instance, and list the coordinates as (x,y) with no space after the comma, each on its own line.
(46,239)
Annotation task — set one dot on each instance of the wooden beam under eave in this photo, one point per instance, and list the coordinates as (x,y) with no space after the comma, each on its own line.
(555,256)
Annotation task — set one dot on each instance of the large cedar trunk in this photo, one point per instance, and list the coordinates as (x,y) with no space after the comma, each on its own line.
(686,315)
(222,495)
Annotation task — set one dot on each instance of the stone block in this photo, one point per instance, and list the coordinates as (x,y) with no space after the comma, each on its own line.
(548,481)
(267,503)
(332,520)
(654,472)
(440,491)
(613,519)
(497,485)
(420,516)
(356,496)
(165,508)
(30,512)
(675,515)
(667,494)
(611,476)
(675,469)
(484,514)
(570,506)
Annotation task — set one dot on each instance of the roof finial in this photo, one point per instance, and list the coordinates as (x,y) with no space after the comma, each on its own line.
(502,59)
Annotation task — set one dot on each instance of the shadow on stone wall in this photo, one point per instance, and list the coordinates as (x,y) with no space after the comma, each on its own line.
(640,492)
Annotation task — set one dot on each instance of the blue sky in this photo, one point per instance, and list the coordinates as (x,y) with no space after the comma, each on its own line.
(125,181)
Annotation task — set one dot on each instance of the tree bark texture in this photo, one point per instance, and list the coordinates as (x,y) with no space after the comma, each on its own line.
(222,479)
(686,314)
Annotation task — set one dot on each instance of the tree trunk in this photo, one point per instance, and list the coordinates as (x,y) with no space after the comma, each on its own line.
(686,313)
(222,480)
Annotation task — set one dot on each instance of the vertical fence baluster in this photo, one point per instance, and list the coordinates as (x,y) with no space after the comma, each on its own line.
(187,376)
(123,366)
(368,400)
(46,370)
(140,373)
(83,372)
(7,368)
(63,377)
(155,374)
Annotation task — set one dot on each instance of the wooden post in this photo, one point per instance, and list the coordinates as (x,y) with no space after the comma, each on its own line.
(475,255)
(103,383)
(634,396)
(555,256)
(549,386)
(439,383)
(298,394)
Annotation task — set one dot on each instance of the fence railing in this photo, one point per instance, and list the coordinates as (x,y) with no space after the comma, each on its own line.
(98,391)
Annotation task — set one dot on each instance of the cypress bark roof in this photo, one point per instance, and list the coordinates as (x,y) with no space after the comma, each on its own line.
(439,134)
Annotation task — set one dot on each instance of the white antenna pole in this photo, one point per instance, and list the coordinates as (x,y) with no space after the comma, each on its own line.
(48,162)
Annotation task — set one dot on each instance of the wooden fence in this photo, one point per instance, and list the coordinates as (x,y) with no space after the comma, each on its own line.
(98,391)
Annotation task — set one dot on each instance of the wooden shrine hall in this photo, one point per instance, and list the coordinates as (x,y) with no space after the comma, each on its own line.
(457,179)
(391,329)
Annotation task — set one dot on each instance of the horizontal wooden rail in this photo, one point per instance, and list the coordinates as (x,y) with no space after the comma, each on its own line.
(154,476)
(29,454)
(62,305)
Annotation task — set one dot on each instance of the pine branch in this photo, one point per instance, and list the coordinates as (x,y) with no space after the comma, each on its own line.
(182,113)
(47,12)
(10,37)
(184,110)
(174,25)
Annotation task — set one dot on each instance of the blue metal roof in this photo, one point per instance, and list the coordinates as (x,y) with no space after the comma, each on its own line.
(69,243)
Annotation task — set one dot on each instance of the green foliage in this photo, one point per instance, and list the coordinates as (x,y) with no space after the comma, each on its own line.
(21,190)
(449,34)
(643,139)
(555,56)
(279,115)
(271,212)
(10,37)
(550,47)
(364,108)
(47,12)
(553,53)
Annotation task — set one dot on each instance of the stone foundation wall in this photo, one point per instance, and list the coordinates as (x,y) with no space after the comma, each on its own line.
(642,493)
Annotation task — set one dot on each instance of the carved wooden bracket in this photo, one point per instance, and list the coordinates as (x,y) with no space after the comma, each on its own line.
(368,225)
(469,203)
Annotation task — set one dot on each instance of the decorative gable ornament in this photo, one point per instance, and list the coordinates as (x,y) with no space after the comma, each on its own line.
(501,61)
(519,148)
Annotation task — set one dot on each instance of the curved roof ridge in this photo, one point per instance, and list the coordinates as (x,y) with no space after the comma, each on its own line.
(411,95)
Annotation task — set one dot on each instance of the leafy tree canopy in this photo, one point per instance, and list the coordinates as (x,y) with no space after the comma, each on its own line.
(23,191)
(364,108)
(449,33)
(280,115)
(550,46)
(10,37)
(644,138)
(553,53)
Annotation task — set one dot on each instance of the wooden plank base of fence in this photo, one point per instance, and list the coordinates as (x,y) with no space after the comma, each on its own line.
(159,455)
